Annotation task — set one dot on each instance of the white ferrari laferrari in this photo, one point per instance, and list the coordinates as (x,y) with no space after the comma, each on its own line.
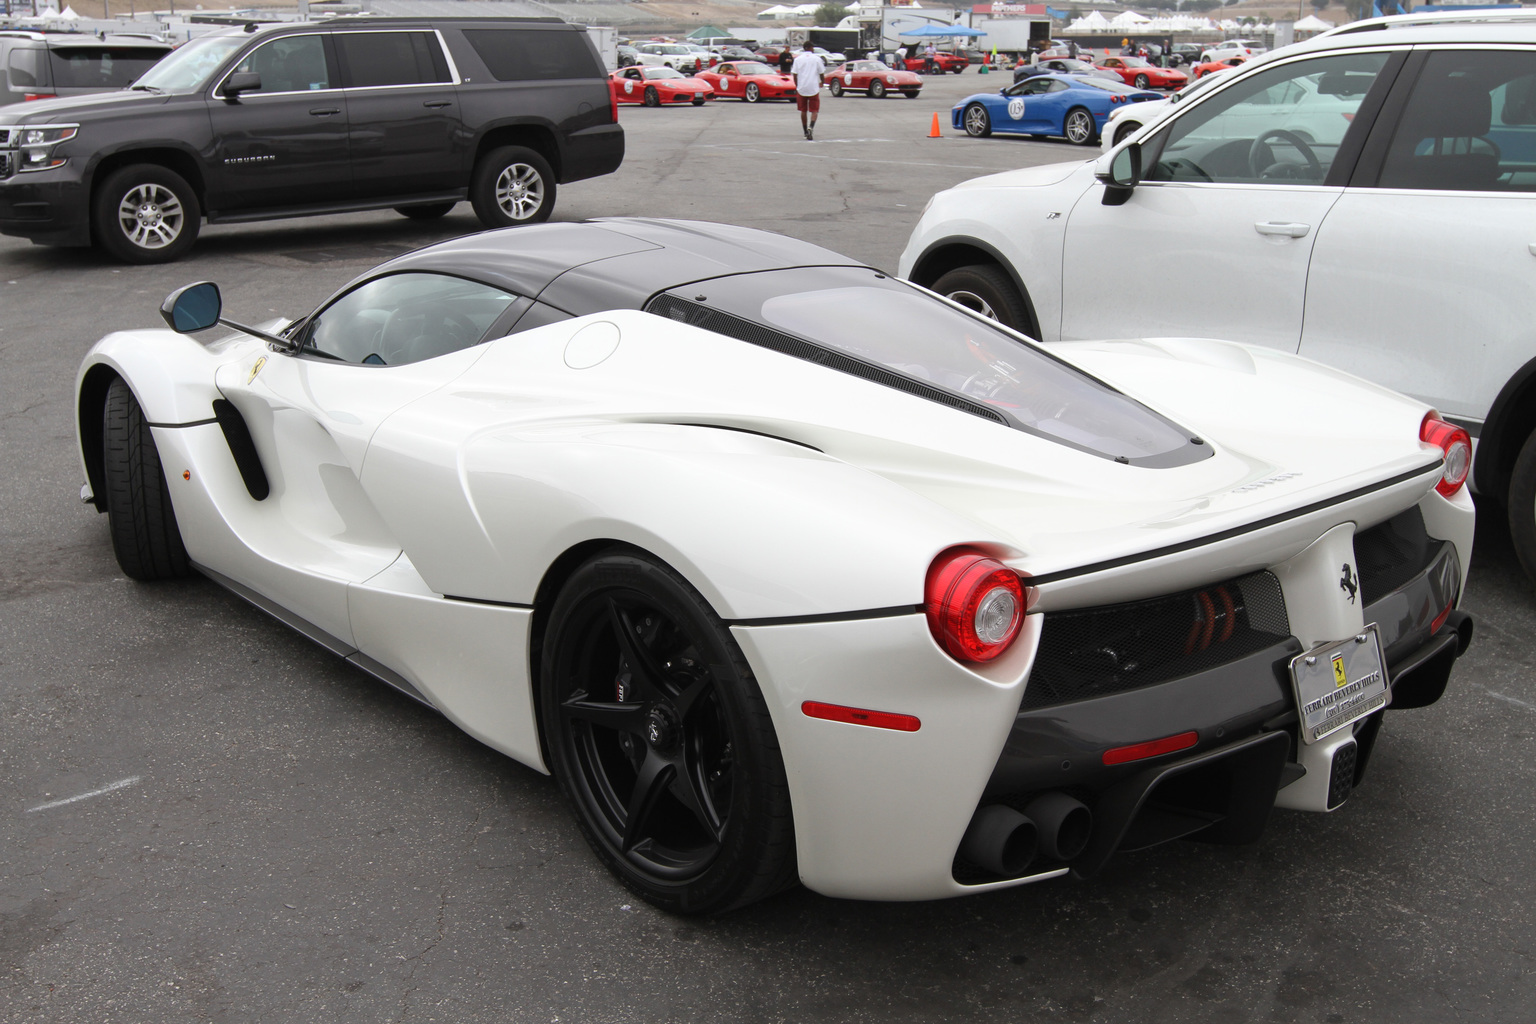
(787,569)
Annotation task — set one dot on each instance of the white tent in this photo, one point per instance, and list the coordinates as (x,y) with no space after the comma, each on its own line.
(69,15)
(1312,23)
(1128,19)
(777,11)
(1092,22)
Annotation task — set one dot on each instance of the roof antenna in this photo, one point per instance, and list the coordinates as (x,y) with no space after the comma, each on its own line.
(250,26)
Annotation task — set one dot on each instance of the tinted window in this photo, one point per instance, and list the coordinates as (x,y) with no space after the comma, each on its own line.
(1469,124)
(101,67)
(1283,124)
(530,55)
(390,58)
(24,67)
(405,318)
(289,64)
(902,337)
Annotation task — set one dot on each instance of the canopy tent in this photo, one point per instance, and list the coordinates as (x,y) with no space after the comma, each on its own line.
(1312,23)
(777,11)
(944,30)
(1128,19)
(1093,21)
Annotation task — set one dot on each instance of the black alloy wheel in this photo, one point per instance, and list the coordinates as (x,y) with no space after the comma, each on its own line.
(877,89)
(651,98)
(662,741)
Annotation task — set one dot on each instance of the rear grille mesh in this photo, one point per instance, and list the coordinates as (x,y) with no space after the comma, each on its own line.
(1095,652)
(1390,554)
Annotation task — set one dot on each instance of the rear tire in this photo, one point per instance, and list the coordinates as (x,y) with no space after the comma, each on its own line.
(145,213)
(836,87)
(427,211)
(1078,127)
(512,185)
(987,289)
(140,517)
(1521,507)
(661,740)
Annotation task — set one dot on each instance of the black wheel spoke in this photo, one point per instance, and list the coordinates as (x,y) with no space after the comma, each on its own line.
(619,717)
(692,792)
(645,671)
(655,777)
(692,690)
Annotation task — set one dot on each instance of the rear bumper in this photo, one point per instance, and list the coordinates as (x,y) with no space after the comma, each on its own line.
(592,152)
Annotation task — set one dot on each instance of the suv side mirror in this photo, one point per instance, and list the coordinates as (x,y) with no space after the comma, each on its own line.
(239,82)
(193,307)
(1122,175)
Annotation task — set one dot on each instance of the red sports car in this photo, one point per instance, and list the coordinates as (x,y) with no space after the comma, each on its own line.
(873,79)
(1143,74)
(655,87)
(1201,70)
(749,80)
(946,62)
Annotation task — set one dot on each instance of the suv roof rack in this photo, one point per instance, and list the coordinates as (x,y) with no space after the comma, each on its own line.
(1486,16)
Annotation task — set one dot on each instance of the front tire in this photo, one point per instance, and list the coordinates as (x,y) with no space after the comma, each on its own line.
(752,93)
(1141,82)
(987,289)
(911,94)
(978,124)
(877,89)
(427,211)
(652,98)
(1078,127)
(512,185)
(1125,131)
(145,213)
(662,741)
(140,517)
(1522,506)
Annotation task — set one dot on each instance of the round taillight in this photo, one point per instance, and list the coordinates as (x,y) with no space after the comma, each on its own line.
(1456,443)
(975,604)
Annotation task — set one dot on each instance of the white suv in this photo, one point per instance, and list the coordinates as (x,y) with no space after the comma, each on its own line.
(1366,198)
(1232,48)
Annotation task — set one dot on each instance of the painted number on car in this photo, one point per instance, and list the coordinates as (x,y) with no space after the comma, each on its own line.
(1016,108)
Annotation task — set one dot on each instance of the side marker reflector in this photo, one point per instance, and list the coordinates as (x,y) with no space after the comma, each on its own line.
(861,716)
(1151,748)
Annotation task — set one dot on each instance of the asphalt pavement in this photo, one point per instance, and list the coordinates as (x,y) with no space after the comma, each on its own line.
(208,818)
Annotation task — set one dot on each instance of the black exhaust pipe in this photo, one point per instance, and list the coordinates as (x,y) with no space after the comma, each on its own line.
(1063,825)
(999,839)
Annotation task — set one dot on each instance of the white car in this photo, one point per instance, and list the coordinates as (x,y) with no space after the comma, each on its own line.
(1365,199)
(786,568)
(1131,117)
(1232,48)
(670,55)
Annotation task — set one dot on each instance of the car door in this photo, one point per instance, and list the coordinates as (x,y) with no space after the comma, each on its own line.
(726,81)
(311,415)
(1217,238)
(284,144)
(1422,274)
(631,84)
(407,133)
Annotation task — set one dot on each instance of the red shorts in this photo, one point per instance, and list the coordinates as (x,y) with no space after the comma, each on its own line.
(811,103)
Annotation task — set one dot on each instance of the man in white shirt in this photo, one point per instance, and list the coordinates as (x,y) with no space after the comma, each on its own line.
(930,59)
(807,71)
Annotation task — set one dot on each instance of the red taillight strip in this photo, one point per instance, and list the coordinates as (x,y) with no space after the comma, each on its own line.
(1151,748)
(1434,627)
(861,716)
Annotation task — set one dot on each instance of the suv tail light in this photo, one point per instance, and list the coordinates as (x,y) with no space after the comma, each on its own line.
(26,97)
(1456,443)
(975,604)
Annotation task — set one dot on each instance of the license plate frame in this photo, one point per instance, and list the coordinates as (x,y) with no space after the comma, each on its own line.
(1327,702)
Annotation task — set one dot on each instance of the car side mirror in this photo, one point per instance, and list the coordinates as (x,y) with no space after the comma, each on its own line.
(239,82)
(192,308)
(1122,175)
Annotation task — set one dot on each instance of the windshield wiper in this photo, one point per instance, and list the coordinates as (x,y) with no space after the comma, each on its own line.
(147,88)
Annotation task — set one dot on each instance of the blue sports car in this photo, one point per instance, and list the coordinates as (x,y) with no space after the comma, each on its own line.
(1047,105)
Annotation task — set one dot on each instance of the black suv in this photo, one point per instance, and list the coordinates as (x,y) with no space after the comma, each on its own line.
(299,119)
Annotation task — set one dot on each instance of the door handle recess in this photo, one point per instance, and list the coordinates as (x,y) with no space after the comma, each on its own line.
(435,104)
(1272,227)
(1532,248)
(324,111)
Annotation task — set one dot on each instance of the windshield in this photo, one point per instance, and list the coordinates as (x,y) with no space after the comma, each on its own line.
(863,323)
(188,68)
(754,68)
(101,67)
(663,73)
(1134,62)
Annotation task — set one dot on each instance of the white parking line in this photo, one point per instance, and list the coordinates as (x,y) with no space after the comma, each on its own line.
(132,780)
(1515,701)
(844,159)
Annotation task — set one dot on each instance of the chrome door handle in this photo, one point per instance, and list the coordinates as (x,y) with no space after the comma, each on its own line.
(324,111)
(1532,248)
(1272,227)
(435,104)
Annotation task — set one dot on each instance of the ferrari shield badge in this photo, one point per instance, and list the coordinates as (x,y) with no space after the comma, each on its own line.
(256,368)
(1016,108)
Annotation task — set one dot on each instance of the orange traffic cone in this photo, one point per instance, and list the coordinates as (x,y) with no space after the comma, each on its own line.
(934,133)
